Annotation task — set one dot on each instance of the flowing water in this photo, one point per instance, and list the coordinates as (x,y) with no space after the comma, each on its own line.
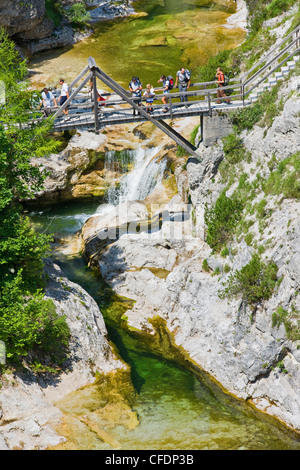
(175,409)
(145,176)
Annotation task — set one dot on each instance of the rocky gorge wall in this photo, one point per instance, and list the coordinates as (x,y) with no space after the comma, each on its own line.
(250,355)
(33,29)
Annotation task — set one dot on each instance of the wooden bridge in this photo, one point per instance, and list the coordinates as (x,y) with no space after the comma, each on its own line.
(86,113)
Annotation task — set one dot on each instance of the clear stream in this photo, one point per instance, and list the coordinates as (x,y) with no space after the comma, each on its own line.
(175,409)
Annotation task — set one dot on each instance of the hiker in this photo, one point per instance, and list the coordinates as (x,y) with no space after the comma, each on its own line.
(166,91)
(221,83)
(48,100)
(184,79)
(135,87)
(149,94)
(64,95)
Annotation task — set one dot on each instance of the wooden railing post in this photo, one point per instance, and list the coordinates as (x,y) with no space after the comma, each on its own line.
(243,93)
(209,104)
(95,101)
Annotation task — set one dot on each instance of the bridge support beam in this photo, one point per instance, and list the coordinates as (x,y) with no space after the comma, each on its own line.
(215,127)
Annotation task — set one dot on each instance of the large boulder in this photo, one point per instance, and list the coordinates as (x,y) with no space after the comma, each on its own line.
(23,16)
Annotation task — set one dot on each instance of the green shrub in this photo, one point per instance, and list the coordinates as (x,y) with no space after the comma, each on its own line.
(246,118)
(207,73)
(28,321)
(221,220)
(224,252)
(254,282)
(78,15)
(194,134)
(205,266)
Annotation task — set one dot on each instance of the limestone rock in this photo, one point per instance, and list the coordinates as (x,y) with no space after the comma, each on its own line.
(23,16)
(28,415)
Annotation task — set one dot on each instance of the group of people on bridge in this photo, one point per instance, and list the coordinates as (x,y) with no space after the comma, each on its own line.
(49,100)
(182,81)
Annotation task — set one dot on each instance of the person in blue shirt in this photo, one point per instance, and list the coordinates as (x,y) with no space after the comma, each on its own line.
(166,91)
(48,101)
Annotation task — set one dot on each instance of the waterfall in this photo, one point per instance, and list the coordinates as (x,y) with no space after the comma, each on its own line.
(146,175)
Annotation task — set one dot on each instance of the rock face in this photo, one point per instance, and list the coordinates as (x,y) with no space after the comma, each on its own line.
(34,32)
(110,9)
(21,17)
(67,178)
(248,354)
(28,415)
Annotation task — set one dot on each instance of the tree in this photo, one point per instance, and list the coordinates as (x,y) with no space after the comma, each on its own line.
(25,316)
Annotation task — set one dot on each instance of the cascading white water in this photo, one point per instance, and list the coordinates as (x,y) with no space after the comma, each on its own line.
(146,175)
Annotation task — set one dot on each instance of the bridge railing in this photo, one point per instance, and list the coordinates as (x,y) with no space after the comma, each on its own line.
(291,39)
(203,94)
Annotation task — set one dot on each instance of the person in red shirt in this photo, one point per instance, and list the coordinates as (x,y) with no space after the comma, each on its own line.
(220,81)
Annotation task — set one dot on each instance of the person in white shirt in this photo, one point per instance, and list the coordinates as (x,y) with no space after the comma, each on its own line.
(135,87)
(64,95)
(48,100)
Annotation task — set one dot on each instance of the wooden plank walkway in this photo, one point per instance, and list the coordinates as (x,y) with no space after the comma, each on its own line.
(82,118)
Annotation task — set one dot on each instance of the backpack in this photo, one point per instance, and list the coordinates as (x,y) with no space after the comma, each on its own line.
(137,80)
(226,80)
(188,74)
(171,82)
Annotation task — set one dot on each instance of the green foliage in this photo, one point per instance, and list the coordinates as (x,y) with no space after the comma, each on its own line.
(285,179)
(205,266)
(194,134)
(221,220)
(224,252)
(207,73)
(261,10)
(54,11)
(234,149)
(78,15)
(27,321)
(181,152)
(290,320)
(255,282)
(246,118)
